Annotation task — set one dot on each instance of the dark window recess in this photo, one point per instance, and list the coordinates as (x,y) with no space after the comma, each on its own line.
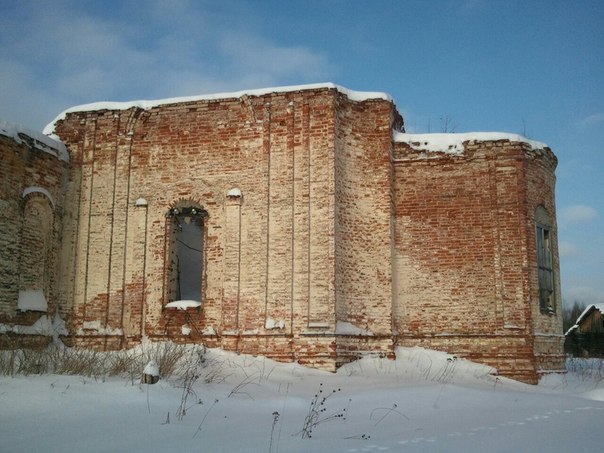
(186,254)
(547,302)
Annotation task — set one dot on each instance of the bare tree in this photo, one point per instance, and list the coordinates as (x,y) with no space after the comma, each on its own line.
(525,132)
(570,314)
(447,124)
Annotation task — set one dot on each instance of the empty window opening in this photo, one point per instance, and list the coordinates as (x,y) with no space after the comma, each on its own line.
(186,258)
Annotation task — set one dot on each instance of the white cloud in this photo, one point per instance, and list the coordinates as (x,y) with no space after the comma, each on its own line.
(74,54)
(592,120)
(567,250)
(258,56)
(578,214)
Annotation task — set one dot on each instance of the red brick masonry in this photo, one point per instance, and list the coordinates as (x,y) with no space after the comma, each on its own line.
(342,236)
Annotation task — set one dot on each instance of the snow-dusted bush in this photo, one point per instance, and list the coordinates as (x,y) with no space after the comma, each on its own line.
(173,360)
(586,369)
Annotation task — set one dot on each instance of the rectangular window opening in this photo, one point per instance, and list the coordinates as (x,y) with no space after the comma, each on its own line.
(186,258)
(547,303)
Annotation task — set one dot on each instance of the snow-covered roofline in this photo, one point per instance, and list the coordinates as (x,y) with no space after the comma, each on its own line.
(40,141)
(453,143)
(148,104)
(582,316)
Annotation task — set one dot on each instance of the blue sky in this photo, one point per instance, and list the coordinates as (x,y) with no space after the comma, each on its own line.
(530,67)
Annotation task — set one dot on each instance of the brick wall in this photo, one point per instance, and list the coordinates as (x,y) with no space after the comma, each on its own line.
(31,205)
(364,224)
(268,255)
(465,260)
(323,238)
(546,327)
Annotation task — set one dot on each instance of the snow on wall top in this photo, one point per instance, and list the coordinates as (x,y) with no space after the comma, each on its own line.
(234,192)
(582,316)
(453,143)
(183,304)
(148,104)
(41,141)
(347,328)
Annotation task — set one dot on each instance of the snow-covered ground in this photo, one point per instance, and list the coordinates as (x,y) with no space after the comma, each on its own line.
(425,401)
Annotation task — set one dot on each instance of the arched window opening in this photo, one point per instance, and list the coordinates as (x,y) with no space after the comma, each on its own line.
(35,244)
(186,257)
(545,262)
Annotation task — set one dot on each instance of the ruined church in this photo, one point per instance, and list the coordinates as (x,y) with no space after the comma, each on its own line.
(299,223)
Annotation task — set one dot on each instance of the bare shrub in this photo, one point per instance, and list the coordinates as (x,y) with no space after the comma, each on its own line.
(9,362)
(167,355)
(32,361)
(191,371)
(22,361)
(172,360)
(216,372)
(81,362)
(587,369)
(124,363)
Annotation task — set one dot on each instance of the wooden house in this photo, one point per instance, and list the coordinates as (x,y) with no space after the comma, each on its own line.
(586,337)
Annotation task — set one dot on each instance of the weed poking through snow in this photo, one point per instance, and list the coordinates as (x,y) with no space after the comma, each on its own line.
(238,389)
(270,445)
(445,376)
(204,418)
(318,412)
(190,375)
(387,411)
